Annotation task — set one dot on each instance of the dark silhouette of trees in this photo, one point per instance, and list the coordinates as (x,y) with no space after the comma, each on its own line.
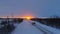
(53,22)
(18,20)
(7,26)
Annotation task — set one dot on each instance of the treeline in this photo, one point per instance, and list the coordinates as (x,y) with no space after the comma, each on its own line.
(53,22)
(7,24)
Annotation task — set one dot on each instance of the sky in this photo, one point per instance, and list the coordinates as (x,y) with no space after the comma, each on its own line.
(38,8)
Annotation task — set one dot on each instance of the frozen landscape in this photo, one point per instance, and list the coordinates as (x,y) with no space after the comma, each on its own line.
(33,8)
(26,27)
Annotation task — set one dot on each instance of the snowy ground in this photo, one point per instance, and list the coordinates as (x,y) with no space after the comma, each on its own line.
(53,30)
(26,28)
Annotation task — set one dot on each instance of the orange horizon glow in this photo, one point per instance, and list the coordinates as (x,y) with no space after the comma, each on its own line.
(16,17)
(24,16)
(27,17)
(27,14)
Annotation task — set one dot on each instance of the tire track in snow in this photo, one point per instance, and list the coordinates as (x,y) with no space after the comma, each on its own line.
(45,31)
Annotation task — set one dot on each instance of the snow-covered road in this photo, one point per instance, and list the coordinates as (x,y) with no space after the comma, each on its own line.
(26,28)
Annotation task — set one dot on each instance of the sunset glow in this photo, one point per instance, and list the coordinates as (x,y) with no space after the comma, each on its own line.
(28,17)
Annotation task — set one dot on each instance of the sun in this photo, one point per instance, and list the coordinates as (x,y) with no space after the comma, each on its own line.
(28,17)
